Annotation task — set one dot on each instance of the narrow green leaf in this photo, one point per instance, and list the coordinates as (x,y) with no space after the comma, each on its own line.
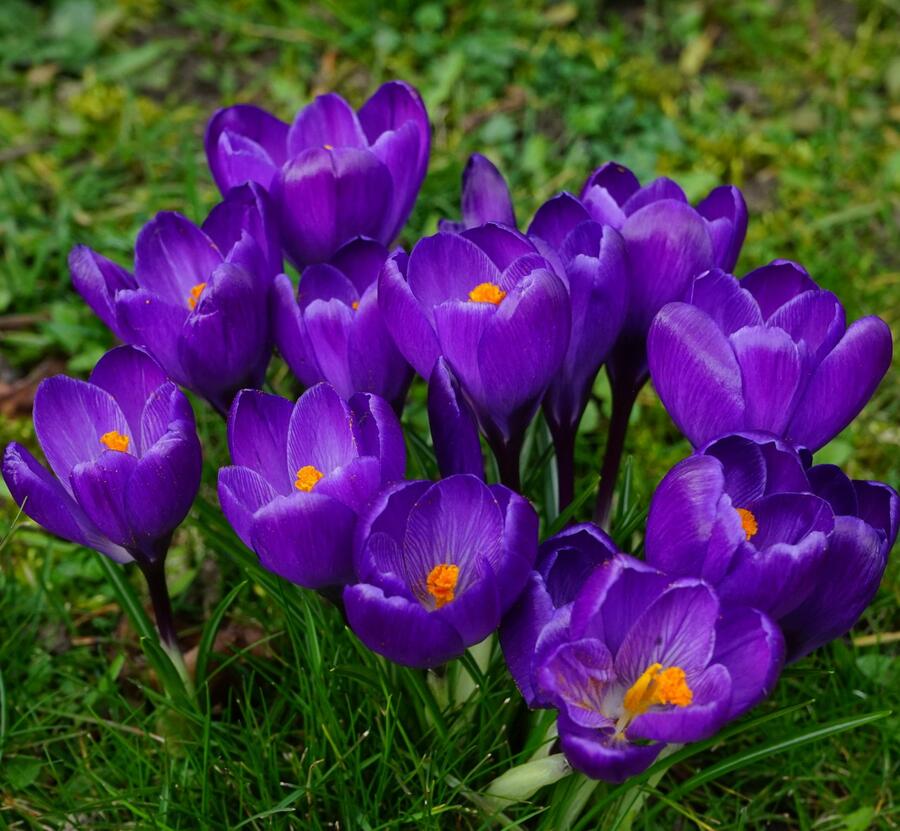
(127,598)
(208,639)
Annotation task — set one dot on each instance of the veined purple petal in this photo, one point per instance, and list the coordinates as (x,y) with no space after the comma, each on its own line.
(614,178)
(99,486)
(242,492)
(327,326)
(378,433)
(258,426)
(392,105)
(815,318)
(485,194)
(97,280)
(360,261)
(842,384)
(695,373)
(599,755)
(156,325)
(354,484)
(656,191)
(327,122)
(774,284)
(502,243)
(726,211)
(556,219)
(289,331)
(320,432)
(454,430)
(723,298)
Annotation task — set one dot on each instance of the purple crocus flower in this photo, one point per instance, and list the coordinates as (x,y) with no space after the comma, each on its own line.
(454,429)
(125,462)
(865,528)
(438,566)
(564,563)
(644,661)
(301,474)
(198,298)
(771,352)
(494,308)
(332,329)
(334,174)
(807,547)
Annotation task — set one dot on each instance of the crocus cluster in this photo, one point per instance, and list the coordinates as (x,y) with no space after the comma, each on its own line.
(754,553)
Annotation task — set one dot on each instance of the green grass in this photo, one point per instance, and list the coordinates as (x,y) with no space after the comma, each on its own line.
(102,108)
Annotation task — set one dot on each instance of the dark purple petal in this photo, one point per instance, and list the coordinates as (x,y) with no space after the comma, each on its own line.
(242,492)
(326,122)
(845,583)
(155,325)
(257,436)
(396,150)
(879,506)
(567,559)
(328,328)
(320,432)
(360,261)
(599,755)
(391,106)
(401,630)
(656,191)
(574,677)
(447,267)
(842,384)
(726,211)
(378,433)
(774,284)
(240,160)
(386,515)
(305,538)
(520,543)
(692,528)
(677,629)
(743,466)
(771,374)
(289,331)
(751,647)
(702,718)
(520,630)
(163,486)
(460,327)
(354,484)
(485,194)
(254,126)
(326,198)
(834,486)
(405,319)
(668,245)
(171,256)
(556,219)
(722,297)
(789,517)
(50,505)
(130,376)
(695,373)
(815,318)
(70,416)
(99,487)
(454,430)
(503,244)
(475,612)
(614,178)
(97,280)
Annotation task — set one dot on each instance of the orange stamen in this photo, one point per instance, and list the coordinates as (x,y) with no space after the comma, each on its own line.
(748,522)
(441,583)
(487,293)
(194,296)
(114,440)
(307,477)
(657,686)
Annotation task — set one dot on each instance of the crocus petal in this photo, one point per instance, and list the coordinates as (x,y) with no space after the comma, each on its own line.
(842,384)
(360,261)
(320,432)
(556,219)
(242,492)
(476,611)
(814,317)
(668,245)
(743,466)
(567,559)
(614,178)
(405,319)
(454,431)
(834,486)
(50,505)
(846,581)
(572,675)
(305,538)
(171,256)
(655,191)
(253,125)
(327,327)
(879,505)
(751,647)
(396,150)
(447,267)
(241,160)
(695,373)
(70,416)
(328,121)
(97,280)
(163,486)
(387,514)
(726,211)
(130,376)
(677,629)
(685,534)
(502,243)
(520,630)
(701,719)
(771,372)
(520,542)
(774,284)
(485,194)
(354,484)
(378,433)
(99,486)
(600,755)
(391,106)
(257,436)
(155,325)
(401,630)
(724,299)
(289,331)
(460,327)
(326,198)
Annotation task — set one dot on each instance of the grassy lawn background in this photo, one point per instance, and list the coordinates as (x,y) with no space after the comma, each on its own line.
(102,110)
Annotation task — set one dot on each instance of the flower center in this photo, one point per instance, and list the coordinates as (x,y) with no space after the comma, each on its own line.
(307,477)
(748,522)
(441,583)
(114,440)
(354,305)
(328,146)
(655,686)
(487,293)
(194,296)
